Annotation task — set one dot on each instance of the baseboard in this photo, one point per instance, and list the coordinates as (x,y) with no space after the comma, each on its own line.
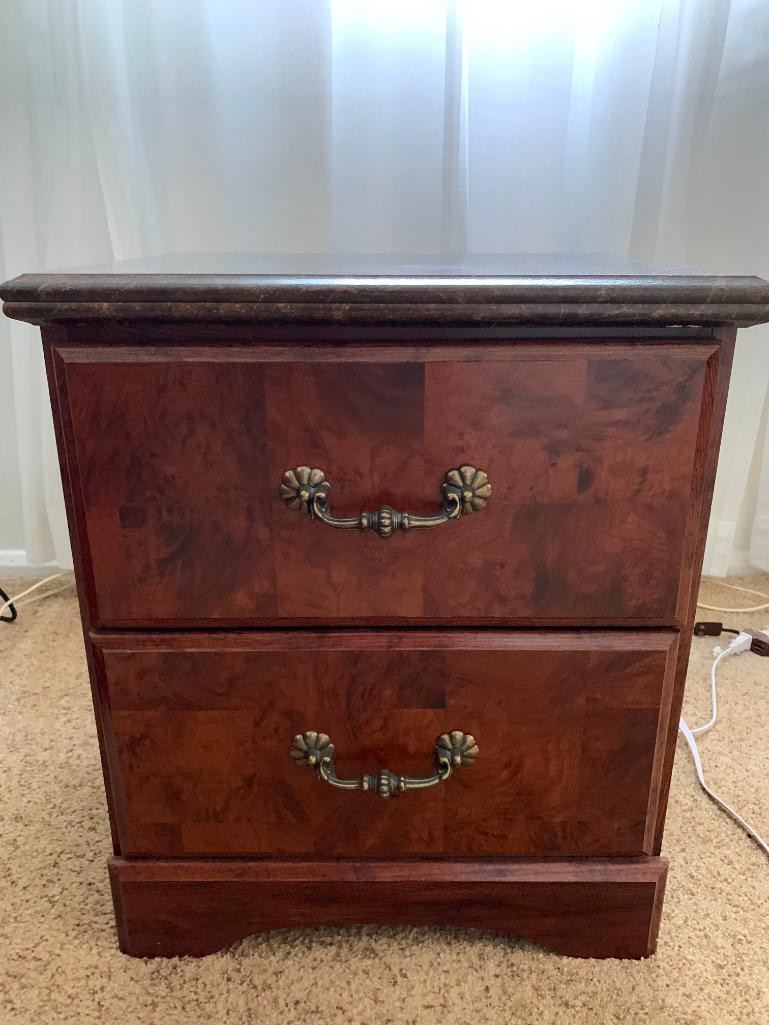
(13,558)
(721,560)
(739,564)
(14,563)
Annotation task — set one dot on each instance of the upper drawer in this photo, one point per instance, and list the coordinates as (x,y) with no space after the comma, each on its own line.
(176,458)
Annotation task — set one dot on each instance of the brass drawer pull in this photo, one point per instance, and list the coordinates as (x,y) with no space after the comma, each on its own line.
(464,491)
(452,750)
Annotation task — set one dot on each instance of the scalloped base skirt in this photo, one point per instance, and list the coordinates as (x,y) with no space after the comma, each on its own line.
(579,907)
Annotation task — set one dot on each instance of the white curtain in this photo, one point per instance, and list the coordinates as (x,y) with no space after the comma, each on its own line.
(135,127)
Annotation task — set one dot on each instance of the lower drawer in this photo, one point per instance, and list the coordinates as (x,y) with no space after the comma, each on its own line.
(570,728)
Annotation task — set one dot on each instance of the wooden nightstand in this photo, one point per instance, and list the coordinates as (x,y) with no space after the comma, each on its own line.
(348,531)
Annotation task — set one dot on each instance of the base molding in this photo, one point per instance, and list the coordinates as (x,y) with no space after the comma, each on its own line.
(583,908)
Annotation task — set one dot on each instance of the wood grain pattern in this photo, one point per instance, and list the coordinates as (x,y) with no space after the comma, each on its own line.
(590,451)
(200,728)
(80,576)
(179,402)
(703,482)
(606,908)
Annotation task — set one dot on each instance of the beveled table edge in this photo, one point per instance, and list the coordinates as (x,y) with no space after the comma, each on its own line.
(393,288)
(448,314)
(519,299)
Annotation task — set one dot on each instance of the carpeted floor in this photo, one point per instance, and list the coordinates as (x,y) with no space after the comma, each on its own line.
(59,961)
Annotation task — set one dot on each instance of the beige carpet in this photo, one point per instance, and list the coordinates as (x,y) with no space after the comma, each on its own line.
(59,961)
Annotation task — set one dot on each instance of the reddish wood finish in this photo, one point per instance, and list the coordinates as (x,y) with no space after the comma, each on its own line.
(568,727)
(80,576)
(590,449)
(608,908)
(704,478)
(600,442)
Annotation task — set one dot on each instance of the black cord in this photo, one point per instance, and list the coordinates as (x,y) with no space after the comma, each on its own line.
(11,608)
(706,628)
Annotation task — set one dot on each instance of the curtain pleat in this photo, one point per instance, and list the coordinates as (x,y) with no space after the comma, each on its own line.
(634,127)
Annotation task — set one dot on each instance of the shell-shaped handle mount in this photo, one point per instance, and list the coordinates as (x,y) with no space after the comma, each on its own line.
(464,490)
(315,750)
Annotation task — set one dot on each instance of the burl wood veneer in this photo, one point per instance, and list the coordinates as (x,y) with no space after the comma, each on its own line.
(516,663)
(589,449)
(198,726)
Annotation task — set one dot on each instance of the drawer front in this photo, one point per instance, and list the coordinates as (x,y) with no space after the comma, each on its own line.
(570,728)
(177,459)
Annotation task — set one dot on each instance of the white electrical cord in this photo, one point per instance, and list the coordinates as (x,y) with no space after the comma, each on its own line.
(34,587)
(745,590)
(45,594)
(740,643)
(737,645)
